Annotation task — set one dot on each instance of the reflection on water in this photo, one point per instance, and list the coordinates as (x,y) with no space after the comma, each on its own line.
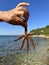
(11,55)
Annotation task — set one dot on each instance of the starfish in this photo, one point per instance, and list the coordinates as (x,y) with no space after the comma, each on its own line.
(26,37)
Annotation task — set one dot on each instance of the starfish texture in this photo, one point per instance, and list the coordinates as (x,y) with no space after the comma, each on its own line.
(26,37)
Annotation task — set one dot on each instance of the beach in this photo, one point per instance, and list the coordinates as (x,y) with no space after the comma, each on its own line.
(11,55)
(42,36)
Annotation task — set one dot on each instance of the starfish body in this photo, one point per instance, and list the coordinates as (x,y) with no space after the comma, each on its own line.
(26,37)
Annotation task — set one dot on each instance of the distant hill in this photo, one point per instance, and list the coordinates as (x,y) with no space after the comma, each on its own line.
(39,31)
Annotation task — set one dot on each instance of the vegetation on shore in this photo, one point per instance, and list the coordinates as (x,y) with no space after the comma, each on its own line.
(41,31)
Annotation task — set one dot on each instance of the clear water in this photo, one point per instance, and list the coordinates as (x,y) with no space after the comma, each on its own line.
(11,55)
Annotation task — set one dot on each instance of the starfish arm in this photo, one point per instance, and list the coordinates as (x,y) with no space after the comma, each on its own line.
(27,43)
(22,44)
(19,37)
(32,42)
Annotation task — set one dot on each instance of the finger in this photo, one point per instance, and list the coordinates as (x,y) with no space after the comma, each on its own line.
(23,4)
(21,9)
(25,13)
(26,16)
(20,22)
(19,13)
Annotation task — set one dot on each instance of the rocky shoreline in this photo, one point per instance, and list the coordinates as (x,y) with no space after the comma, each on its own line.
(43,36)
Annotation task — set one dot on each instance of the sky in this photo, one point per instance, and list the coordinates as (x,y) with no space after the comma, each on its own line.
(39,16)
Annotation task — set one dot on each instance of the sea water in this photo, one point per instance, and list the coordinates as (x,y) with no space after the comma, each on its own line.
(11,55)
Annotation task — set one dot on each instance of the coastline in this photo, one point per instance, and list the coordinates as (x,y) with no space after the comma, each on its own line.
(43,36)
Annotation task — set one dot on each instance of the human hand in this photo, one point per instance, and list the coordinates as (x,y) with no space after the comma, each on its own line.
(19,15)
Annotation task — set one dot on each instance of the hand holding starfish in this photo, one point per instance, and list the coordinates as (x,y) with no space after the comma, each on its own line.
(26,36)
(14,16)
(18,16)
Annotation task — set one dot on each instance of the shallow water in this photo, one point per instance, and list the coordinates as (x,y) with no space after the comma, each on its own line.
(11,55)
